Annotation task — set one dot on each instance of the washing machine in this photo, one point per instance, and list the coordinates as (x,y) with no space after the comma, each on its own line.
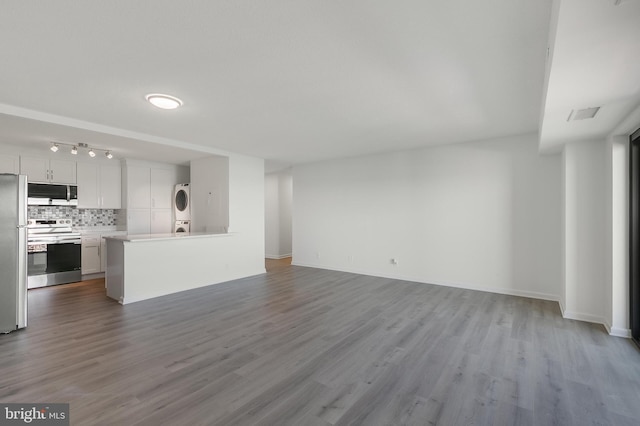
(182,202)
(182,226)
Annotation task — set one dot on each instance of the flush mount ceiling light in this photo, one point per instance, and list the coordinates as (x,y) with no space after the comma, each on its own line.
(55,146)
(163,101)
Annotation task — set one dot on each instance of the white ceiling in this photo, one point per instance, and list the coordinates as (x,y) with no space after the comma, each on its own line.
(595,62)
(287,81)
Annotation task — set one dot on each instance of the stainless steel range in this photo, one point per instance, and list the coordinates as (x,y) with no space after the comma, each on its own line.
(53,252)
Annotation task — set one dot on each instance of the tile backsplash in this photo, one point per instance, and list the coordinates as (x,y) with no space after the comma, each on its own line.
(80,217)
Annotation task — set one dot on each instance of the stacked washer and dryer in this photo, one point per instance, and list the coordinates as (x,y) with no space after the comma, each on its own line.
(182,206)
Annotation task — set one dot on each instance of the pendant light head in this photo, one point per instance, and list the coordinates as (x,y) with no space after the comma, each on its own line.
(74,150)
(92,153)
(163,101)
(54,147)
(108,155)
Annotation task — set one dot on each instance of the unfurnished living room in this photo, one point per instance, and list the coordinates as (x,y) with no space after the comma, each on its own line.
(320,212)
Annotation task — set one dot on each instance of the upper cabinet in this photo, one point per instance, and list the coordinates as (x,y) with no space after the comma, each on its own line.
(138,187)
(99,186)
(148,195)
(48,170)
(162,185)
(150,187)
(9,164)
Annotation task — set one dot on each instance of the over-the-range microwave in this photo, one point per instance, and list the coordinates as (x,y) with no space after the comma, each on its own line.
(46,194)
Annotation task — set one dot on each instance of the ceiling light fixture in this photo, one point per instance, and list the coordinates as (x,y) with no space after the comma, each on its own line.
(163,101)
(55,146)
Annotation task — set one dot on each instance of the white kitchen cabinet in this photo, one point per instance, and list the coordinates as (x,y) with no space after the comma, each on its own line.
(98,186)
(160,221)
(87,175)
(48,170)
(9,164)
(162,182)
(110,186)
(148,195)
(138,221)
(138,187)
(90,261)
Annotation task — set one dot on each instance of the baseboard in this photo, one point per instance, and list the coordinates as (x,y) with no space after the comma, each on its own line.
(508,292)
(620,332)
(585,317)
(277,257)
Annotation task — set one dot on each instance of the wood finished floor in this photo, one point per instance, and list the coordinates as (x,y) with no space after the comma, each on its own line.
(302,346)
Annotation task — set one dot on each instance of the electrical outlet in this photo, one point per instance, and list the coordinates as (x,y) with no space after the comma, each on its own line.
(394,261)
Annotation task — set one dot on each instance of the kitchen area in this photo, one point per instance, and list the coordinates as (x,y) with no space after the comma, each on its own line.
(73,206)
(169,225)
(65,209)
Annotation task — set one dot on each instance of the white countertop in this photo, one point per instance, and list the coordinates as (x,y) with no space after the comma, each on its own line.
(135,238)
(97,229)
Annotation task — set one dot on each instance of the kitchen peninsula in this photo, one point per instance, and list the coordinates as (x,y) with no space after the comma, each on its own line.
(141,267)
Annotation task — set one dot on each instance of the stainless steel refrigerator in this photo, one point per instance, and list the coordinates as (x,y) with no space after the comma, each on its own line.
(13,252)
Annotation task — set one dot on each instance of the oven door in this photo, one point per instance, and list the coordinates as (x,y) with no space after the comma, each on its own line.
(51,263)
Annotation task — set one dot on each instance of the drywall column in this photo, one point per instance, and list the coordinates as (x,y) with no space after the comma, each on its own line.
(618,235)
(278,200)
(228,192)
(210,194)
(272,216)
(585,264)
(285,192)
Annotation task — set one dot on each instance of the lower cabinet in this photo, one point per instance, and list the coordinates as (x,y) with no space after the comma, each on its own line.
(91,263)
(94,252)
(149,221)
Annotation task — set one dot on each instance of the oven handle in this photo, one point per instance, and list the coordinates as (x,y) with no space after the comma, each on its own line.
(47,242)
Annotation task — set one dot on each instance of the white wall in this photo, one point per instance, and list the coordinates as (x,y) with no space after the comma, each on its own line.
(246,212)
(241,178)
(278,204)
(286,209)
(484,215)
(209,191)
(272,216)
(585,237)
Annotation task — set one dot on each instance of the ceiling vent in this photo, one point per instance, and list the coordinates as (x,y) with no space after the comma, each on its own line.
(583,114)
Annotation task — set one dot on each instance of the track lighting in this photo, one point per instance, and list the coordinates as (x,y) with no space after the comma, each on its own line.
(55,146)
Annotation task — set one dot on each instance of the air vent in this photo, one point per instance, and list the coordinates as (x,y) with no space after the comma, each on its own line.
(583,114)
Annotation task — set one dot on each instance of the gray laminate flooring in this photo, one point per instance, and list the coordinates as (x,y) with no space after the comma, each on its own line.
(302,346)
